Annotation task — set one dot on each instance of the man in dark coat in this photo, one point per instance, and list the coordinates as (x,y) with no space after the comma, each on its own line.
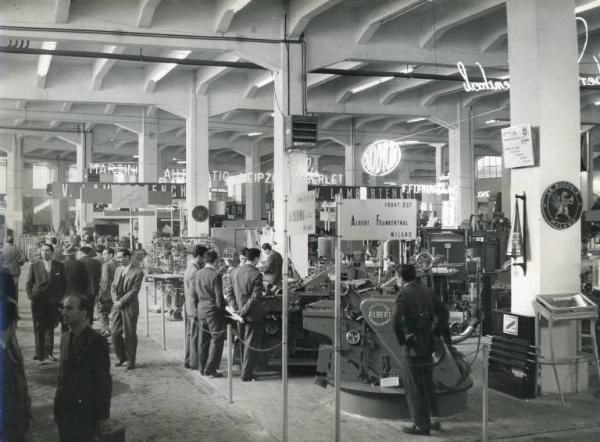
(207,287)
(77,276)
(105,302)
(414,319)
(192,330)
(272,269)
(94,272)
(45,287)
(247,288)
(12,260)
(126,308)
(82,401)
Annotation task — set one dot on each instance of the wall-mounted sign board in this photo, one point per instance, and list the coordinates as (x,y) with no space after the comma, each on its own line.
(517,146)
(378,219)
(301,213)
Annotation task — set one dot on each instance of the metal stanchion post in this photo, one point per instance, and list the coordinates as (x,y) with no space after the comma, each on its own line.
(147,313)
(284,325)
(162,313)
(484,408)
(184,329)
(338,300)
(230,362)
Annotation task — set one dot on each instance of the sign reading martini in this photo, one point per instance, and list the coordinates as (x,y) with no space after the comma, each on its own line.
(378,219)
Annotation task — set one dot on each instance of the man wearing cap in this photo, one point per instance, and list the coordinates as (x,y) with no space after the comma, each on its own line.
(77,276)
(191,312)
(12,260)
(94,272)
(45,287)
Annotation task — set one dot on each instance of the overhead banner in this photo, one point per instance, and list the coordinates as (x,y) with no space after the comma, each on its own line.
(73,190)
(328,193)
(378,219)
(301,213)
(132,197)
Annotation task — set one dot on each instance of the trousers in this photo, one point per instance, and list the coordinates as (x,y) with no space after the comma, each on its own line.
(191,342)
(420,394)
(44,320)
(124,334)
(251,335)
(210,342)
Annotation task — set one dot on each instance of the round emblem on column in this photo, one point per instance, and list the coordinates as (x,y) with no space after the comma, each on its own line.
(562,205)
(200,213)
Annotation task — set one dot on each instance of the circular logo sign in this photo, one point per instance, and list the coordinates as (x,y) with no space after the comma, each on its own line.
(380,314)
(561,205)
(381,157)
(200,213)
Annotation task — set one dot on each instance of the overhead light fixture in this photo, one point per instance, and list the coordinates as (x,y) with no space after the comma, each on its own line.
(587,6)
(255,134)
(491,121)
(370,84)
(165,68)
(597,103)
(136,156)
(181,161)
(44,60)
(416,120)
(406,10)
(405,142)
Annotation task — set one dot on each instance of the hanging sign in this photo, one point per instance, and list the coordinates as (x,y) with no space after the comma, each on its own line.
(381,157)
(517,146)
(72,190)
(131,197)
(562,205)
(301,213)
(378,219)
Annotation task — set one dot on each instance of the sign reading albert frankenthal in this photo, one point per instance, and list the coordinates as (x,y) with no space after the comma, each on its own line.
(562,205)
(378,219)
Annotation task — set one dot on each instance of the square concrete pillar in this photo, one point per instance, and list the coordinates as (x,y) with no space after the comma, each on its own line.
(147,172)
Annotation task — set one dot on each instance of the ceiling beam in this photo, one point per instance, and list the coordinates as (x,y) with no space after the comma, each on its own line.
(146,13)
(205,76)
(225,11)
(397,88)
(102,66)
(43,66)
(383,14)
(301,12)
(61,11)
(161,70)
(315,80)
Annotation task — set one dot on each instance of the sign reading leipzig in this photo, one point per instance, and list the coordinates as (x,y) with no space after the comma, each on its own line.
(378,219)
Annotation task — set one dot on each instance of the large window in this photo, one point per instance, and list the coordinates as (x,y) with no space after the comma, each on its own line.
(489,167)
(42,176)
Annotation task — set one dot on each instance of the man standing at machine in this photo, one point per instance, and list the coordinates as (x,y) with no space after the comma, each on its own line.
(273,266)
(208,289)
(248,287)
(126,309)
(191,310)
(414,320)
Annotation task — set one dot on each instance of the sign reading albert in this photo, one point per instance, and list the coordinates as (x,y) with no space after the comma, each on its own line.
(378,219)
(562,205)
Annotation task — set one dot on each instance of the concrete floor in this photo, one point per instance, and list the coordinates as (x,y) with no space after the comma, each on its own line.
(162,401)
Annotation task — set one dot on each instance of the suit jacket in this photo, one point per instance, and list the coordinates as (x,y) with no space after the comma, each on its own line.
(43,288)
(191,308)
(12,259)
(77,277)
(273,268)
(247,287)
(207,287)
(84,381)
(106,279)
(131,287)
(94,271)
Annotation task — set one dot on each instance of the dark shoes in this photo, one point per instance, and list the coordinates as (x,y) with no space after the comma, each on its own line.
(414,430)
(120,363)
(436,426)
(214,375)
(131,367)
(248,378)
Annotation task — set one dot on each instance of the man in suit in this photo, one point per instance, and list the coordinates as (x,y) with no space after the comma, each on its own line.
(208,289)
(46,284)
(82,401)
(247,288)
(77,276)
(273,266)
(191,360)
(414,318)
(107,276)
(125,289)
(12,260)
(94,272)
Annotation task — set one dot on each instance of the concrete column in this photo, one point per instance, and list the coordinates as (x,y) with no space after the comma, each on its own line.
(147,173)
(289,167)
(14,187)
(439,162)
(253,189)
(543,51)
(60,206)
(403,172)
(85,212)
(352,166)
(461,165)
(196,155)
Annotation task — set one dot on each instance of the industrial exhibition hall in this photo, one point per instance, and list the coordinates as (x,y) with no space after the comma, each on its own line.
(303,220)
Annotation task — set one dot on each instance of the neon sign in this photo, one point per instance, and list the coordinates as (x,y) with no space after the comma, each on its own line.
(381,157)
(113,168)
(314,177)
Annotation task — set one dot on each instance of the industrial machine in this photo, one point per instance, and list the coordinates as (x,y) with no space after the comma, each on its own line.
(371,367)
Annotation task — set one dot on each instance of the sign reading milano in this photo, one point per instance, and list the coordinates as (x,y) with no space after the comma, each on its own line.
(378,219)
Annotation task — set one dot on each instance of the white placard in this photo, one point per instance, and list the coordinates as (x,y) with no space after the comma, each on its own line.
(378,219)
(393,381)
(301,213)
(129,197)
(517,146)
(510,325)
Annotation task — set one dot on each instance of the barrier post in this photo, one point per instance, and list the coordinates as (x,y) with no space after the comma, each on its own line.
(147,313)
(230,363)
(338,301)
(162,313)
(284,325)
(484,408)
